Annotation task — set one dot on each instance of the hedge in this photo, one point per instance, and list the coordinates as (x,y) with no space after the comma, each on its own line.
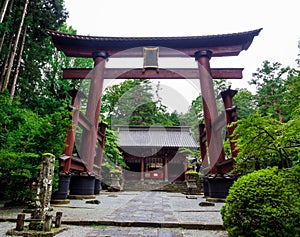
(264,203)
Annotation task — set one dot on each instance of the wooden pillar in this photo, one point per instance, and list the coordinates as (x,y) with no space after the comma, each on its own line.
(103,127)
(71,132)
(230,116)
(20,222)
(166,170)
(92,110)
(142,168)
(185,167)
(202,141)
(101,141)
(214,139)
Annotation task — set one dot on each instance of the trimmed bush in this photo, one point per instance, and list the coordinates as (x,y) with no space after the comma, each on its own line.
(264,203)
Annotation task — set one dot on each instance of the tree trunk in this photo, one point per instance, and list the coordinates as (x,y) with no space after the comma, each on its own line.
(13,87)
(277,106)
(4,65)
(2,41)
(13,53)
(3,9)
(4,33)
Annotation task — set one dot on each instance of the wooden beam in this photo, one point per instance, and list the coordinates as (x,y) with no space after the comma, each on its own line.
(219,51)
(84,122)
(176,73)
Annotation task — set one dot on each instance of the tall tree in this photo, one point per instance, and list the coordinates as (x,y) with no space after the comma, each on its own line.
(37,49)
(13,53)
(3,9)
(270,83)
(263,141)
(16,74)
(244,100)
(135,102)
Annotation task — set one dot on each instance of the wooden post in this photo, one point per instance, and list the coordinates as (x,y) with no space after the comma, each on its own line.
(202,141)
(20,222)
(185,167)
(214,139)
(100,151)
(47,223)
(71,132)
(230,110)
(92,111)
(166,170)
(142,168)
(58,219)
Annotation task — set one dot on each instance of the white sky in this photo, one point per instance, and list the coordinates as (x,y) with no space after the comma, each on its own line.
(278,41)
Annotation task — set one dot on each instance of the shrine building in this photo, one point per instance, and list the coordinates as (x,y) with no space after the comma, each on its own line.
(155,153)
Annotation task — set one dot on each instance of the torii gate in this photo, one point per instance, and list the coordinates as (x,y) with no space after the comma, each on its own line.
(202,48)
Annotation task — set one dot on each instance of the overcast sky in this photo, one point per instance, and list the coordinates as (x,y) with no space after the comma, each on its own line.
(278,41)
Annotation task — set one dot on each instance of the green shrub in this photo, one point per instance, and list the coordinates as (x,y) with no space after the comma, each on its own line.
(264,203)
(24,137)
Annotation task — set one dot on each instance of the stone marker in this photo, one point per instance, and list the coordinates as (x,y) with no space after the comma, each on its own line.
(43,195)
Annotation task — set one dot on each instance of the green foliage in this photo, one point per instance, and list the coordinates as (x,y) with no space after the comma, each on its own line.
(264,203)
(133,102)
(112,153)
(245,102)
(37,53)
(292,95)
(51,92)
(18,172)
(24,137)
(270,81)
(192,173)
(264,141)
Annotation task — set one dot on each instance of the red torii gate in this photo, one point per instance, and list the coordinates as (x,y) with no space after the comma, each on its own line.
(202,48)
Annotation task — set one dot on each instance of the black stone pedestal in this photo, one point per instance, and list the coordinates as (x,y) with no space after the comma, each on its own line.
(63,188)
(219,185)
(82,185)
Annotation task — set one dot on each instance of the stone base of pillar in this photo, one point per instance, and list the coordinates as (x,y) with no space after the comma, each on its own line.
(97,186)
(205,186)
(82,185)
(219,185)
(63,188)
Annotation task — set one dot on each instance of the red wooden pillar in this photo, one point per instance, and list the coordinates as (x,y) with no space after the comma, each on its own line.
(92,110)
(142,169)
(166,170)
(102,131)
(70,139)
(202,141)
(214,139)
(230,116)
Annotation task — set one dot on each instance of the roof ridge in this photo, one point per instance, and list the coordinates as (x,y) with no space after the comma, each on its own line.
(119,38)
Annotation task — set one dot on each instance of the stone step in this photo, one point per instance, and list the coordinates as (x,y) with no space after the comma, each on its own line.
(151,185)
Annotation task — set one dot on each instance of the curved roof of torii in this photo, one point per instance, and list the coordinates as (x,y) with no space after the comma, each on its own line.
(220,45)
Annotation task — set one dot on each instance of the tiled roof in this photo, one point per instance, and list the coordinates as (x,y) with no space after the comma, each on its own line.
(156,136)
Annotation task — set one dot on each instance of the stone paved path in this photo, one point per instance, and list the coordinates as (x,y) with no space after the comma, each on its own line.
(134,214)
(150,207)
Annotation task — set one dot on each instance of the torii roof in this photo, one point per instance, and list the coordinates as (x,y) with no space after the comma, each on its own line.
(156,136)
(221,44)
